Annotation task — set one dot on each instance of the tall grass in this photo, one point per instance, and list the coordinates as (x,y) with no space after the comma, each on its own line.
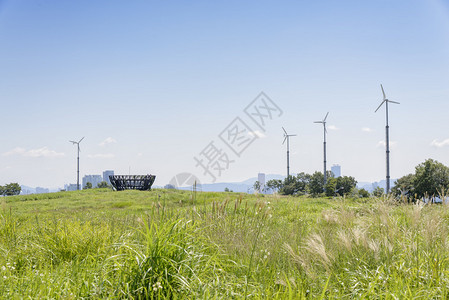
(170,259)
(171,244)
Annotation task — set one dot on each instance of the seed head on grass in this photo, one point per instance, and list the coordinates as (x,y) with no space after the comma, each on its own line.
(415,215)
(375,247)
(433,229)
(359,234)
(330,217)
(345,239)
(300,260)
(315,245)
(387,245)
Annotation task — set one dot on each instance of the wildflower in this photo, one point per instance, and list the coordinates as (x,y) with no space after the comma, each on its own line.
(157,286)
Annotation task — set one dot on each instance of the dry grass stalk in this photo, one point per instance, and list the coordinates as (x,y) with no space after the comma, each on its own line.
(315,245)
(345,239)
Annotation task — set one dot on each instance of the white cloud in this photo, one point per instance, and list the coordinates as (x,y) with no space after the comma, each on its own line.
(257,133)
(333,127)
(381,144)
(16,150)
(108,140)
(366,129)
(41,152)
(101,155)
(438,144)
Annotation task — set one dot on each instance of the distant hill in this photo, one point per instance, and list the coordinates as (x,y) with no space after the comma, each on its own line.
(238,187)
(370,186)
(27,190)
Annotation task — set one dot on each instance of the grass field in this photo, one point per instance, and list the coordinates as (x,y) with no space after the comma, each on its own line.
(183,245)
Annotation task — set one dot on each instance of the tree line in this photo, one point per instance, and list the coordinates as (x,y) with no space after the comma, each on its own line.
(10,189)
(100,185)
(430,180)
(314,185)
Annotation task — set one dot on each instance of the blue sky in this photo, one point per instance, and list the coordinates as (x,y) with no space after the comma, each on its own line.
(150,84)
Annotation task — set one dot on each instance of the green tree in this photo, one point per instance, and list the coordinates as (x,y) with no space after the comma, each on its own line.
(363,193)
(102,184)
(289,187)
(404,186)
(11,189)
(295,185)
(345,184)
(316,184)
(88,186)
(431,178)
(331,186)
(274,184)
(378,191)
(256,186)
(303,181)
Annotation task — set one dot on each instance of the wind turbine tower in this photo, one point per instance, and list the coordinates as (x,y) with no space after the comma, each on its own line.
(287,137)
(78,163)
(387,136)
(324,145)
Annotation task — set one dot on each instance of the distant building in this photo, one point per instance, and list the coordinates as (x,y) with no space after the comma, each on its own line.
(261,179)
(106,175)
(25,190)
(336,170)
(70,187)
(93,179)
(40,190)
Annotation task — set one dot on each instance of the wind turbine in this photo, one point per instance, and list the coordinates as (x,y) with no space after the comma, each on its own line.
(78,163)
(324,145)
(387,135)
(287,137)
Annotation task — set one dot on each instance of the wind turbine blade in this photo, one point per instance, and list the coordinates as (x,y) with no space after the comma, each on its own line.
(393,102)
(284,130)
(293,135)
(72,142)
(286,136)
(81,139)
(383,91)
(379,106)
(326,117)
(325,130)
(318,122)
